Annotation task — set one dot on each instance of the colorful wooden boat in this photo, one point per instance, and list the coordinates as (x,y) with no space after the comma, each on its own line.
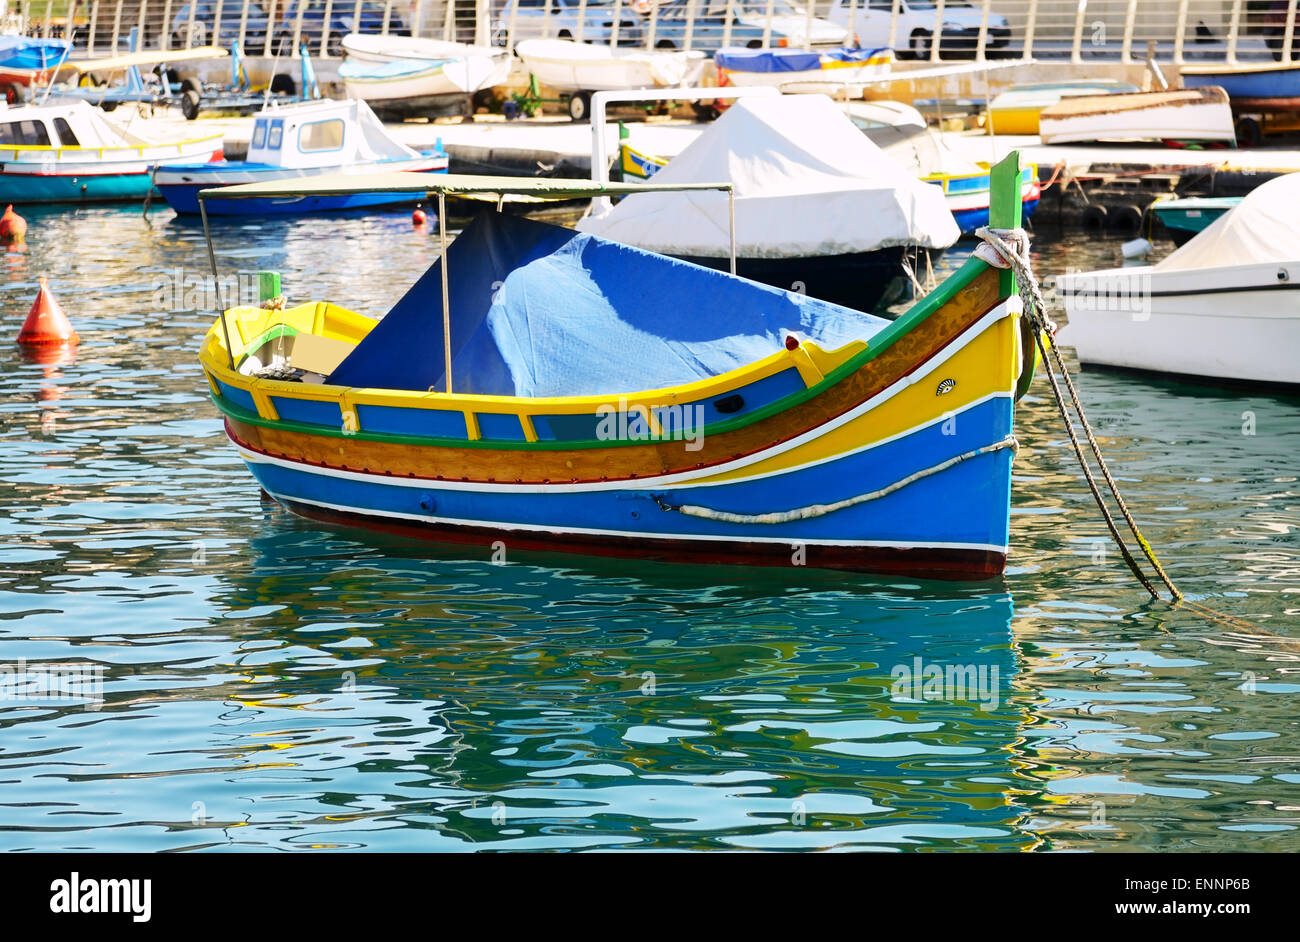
(881,446)
(969,194)
(1185,218)
(1016,110)
(69,152)
(298,141)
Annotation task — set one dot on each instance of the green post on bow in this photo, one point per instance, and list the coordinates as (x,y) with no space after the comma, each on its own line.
(268,286)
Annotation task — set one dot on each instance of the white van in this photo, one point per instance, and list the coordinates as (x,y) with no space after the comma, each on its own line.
(959,29)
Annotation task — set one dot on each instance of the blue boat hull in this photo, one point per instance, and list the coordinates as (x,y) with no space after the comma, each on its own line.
(966,503)
(184,198)
(1280,82)
(182,194)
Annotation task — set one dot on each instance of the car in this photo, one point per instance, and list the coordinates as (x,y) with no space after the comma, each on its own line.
(1275,21)
(870,21)
(565,19)
(199,31)
(307,17)
(708,28)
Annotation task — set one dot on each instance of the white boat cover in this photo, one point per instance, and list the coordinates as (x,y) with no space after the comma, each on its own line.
(1264,227)
(808,184)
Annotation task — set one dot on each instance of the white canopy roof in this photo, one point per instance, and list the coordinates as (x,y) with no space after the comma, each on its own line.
(1264,227)
(807,183)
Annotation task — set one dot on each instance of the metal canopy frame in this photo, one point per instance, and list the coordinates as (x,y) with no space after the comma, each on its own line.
(440,185)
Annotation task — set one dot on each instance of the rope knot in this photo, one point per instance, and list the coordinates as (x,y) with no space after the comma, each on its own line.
(1009,248)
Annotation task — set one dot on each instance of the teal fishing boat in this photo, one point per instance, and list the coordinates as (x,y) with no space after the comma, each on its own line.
(1185,218)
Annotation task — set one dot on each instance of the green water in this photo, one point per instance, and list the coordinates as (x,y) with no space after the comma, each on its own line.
(270,683)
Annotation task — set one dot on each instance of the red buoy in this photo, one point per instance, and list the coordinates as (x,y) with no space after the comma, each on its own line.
(46,323)
(419,217)
(13,228)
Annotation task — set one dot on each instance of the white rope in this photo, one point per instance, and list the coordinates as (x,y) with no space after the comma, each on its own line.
(917,290)
(821,510)
(1011,246)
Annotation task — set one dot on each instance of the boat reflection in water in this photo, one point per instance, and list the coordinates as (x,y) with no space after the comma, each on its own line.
(523,705)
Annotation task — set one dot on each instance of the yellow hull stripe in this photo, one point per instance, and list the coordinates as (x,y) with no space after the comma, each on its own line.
(988,364)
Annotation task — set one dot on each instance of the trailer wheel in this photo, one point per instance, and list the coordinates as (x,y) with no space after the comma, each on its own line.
(191,85)
(282,84)
(580,106)
(190,104)
(108,105)
(1250,133)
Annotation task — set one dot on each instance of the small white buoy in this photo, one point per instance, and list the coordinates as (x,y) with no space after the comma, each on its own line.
(1138,248)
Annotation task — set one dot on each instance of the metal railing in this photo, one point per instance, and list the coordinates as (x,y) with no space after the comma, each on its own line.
(1078,31)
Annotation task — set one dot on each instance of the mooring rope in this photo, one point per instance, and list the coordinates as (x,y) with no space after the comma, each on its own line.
(812,511)
(1012,245)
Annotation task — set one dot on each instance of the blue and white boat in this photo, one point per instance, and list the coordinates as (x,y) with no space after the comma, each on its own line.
(302,141)
(1262,81)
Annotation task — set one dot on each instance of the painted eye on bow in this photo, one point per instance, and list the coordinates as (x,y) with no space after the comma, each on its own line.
(947,386)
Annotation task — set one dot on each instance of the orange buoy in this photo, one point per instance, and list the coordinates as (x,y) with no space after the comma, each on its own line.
(419,217)
(46,323)
(13,228)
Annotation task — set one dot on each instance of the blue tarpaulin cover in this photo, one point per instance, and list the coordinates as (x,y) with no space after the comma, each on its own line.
(767,60)
(849,54)
(540,310)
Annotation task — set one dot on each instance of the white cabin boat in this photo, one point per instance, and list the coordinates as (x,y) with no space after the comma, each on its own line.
(302,140)
(1226,305)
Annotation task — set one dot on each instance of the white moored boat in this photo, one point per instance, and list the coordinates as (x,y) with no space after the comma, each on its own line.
(1186,114)
(580,68)
(1226,305)
(68,151)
